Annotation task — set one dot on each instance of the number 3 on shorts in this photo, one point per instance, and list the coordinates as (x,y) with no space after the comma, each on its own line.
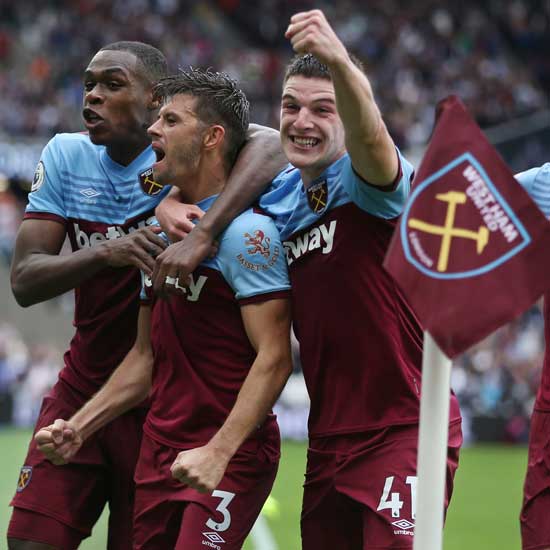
(226,497)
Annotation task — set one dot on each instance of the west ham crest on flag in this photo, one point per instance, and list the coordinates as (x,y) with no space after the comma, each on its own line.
(317,196)
(148,185)
(24,478)
(458,225)
(471,250)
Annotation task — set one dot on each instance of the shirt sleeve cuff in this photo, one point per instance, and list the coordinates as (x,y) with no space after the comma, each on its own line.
(257,298)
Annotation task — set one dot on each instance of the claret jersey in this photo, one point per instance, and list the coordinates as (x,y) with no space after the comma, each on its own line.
(202,354)
(536,182)
(78,185)
(360,342)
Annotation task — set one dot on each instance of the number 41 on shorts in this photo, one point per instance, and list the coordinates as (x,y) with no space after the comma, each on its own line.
(393,500)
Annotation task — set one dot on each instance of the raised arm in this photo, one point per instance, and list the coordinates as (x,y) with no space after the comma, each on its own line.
(368,142)
(260,160)
(39,273)
(128,386)
(268,327)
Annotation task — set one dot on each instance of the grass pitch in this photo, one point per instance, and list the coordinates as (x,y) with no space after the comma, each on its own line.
(483,513)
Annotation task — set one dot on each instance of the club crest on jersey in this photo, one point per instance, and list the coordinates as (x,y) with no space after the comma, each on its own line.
(258,243)
(317,196)
(38,178)
(24,478)
(462,227)
(148,185)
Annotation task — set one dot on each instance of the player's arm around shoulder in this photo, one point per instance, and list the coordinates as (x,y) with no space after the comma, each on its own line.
(128,386)
(266,314)
(259,161)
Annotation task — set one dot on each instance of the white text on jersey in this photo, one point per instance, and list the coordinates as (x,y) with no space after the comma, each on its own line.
(193,291)
(113,232)
(318,237)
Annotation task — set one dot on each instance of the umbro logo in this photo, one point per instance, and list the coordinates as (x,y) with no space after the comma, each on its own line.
(403,524)
(404,527)
(213,537)
(214,540)
(90,193)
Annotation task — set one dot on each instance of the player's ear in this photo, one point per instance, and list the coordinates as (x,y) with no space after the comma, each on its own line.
(153,101)
(213,136)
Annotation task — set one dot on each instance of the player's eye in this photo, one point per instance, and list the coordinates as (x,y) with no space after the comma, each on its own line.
(290,107)
(114,85)
(89,85)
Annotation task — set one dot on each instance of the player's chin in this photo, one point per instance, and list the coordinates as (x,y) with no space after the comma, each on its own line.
(99,136)
(301,158)
(160,176)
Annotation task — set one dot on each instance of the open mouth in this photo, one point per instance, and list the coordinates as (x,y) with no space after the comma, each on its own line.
(91,117)
(305,142)
(159,152)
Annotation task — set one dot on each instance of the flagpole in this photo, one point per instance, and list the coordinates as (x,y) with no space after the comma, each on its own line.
(432,446)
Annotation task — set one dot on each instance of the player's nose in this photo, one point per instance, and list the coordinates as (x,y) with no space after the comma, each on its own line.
(303,120)
(154,130)
(93,96)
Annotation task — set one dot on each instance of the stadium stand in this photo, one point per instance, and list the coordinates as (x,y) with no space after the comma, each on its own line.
(495,57)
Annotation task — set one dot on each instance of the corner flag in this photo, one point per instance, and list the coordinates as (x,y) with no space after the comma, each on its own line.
(472,250)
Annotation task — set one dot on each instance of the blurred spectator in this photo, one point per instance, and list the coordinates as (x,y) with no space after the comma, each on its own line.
(25,376)
(495,58)
(11,213)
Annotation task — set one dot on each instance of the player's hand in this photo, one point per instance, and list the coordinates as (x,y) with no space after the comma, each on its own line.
(59,441)
(201,468)
(176,218)
(174,266)
(139,249)
(310,32)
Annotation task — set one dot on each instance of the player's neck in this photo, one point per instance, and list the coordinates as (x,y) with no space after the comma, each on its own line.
(210,179)
(125,153)
(309,175)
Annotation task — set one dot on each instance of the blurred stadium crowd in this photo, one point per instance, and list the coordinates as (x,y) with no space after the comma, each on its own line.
(494,55)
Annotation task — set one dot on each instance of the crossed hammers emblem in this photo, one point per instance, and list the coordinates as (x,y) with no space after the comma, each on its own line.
(449,231)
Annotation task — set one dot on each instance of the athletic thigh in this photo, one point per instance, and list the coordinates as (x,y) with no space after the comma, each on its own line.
(76,492)
(224,517)
(101,472)
(377,471)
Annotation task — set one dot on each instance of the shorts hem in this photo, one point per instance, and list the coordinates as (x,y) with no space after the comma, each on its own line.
(54,516)
(541,546)
(27,537)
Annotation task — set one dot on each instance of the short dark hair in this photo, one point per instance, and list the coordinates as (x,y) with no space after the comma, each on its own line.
(152,59)
(309,66)
(219,101)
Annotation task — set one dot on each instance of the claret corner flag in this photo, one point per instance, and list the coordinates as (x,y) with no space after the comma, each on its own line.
(472,250)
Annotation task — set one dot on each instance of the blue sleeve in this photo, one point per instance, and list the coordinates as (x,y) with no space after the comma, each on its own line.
(378,202)
(46,194)
(536,181)
(252,258)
